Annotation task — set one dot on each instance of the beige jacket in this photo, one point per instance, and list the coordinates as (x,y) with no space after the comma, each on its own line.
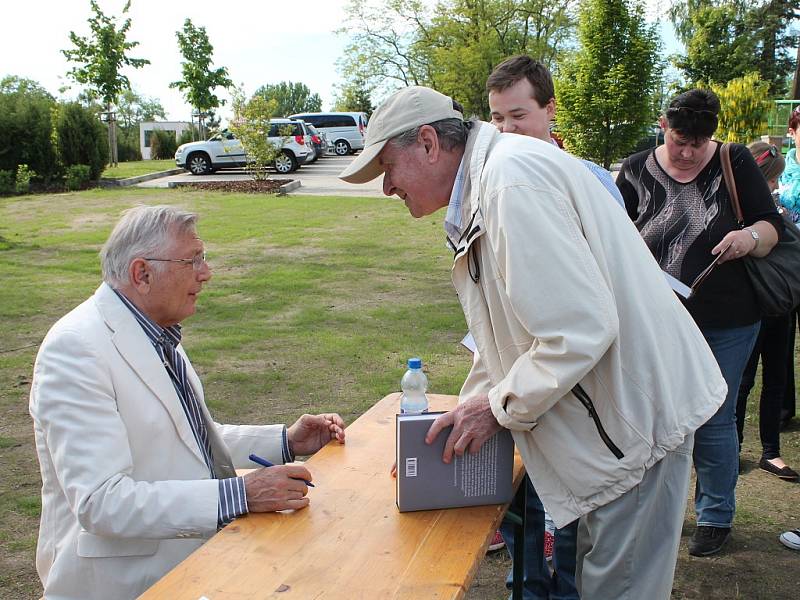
(567,293)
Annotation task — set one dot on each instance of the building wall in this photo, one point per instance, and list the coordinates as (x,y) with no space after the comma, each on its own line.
(147,126)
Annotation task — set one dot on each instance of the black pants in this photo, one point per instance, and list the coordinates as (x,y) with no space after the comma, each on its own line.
(788,410)
(772,346)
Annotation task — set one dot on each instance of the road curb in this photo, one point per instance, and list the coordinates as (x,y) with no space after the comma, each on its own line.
(288,187)
(138,179)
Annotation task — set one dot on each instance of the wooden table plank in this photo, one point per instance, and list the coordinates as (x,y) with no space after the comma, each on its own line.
(351,542)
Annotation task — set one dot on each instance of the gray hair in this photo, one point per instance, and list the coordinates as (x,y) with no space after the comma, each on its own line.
(141,232)
(452,134)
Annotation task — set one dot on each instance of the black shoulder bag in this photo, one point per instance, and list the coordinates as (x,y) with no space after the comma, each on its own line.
(775,277)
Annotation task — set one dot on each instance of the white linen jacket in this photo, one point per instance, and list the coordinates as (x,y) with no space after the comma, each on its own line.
(568,293)
(126,494)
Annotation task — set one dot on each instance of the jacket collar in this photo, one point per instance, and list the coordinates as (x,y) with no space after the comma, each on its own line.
(136,349)
(481,138)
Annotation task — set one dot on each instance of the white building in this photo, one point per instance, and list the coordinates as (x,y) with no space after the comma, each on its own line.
(146,127)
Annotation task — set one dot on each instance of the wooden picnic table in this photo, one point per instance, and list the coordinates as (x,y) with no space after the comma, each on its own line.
(351,542)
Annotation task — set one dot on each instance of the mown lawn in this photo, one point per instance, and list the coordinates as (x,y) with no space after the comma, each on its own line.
(133,168)
(314,305)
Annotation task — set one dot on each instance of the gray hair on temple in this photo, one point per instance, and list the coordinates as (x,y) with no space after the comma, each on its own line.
(142,231)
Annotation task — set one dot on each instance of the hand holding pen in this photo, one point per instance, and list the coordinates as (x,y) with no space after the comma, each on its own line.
(265,463)
(275,488)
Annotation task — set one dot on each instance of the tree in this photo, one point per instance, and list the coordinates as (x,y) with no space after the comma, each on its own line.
(354,97)
(102,56)
(726,39)
(251,125)
(743,111)
(452,47)
(290,98)
(80,138)
(199,80)
(606,89)
(26,125)
(133,108)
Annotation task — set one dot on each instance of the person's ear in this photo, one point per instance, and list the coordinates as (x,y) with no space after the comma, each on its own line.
(662,122)
(550,108)
(430,142)
(140,275)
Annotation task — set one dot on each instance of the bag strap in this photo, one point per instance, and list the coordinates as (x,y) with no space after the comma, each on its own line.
(730,182)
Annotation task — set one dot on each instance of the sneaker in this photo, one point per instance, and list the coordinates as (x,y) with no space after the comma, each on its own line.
(708,540)
(549,540)
(497,542)
(791,539)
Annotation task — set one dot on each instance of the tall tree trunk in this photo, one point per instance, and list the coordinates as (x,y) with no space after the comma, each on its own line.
(796,83)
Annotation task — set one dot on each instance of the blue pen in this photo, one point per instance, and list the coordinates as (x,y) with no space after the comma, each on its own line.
(265,463)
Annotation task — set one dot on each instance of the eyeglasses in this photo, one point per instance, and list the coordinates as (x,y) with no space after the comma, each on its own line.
(197,262)
(670,112)
(771,151)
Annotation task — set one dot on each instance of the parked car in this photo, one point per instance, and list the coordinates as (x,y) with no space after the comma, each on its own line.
(224,151)
(345,130)
(318,140)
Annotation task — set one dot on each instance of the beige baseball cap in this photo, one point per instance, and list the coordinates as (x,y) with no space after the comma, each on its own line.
(406,109)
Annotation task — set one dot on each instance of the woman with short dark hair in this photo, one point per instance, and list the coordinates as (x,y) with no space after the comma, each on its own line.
(677,197)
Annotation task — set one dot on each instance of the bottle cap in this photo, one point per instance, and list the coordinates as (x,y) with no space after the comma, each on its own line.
(414,363)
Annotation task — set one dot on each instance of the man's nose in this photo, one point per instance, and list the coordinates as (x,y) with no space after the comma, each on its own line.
(507,127)
(204,274)
(388,188)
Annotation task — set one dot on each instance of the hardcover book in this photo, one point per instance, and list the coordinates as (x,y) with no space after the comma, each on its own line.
(425,482)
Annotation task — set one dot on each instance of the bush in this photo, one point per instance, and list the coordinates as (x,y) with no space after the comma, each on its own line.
(22,182)
(162,144)
(78,177)
(128,145)
(25,127)
(82,138)
(7,182)
(188,135)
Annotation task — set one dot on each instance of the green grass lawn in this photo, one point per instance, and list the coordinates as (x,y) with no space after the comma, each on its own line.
(315,304)
(133,168)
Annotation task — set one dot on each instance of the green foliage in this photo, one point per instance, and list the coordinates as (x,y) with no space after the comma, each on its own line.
(744,106)
(22,181)
(606,89)
(163,144)
(290,98)
(128,145)
(188,135)
(78,177)
(199,80)
(251,126)
(355,97)
(81,138)
(451,47)
(133,108)
(7,182)
(726,39)
(103,55)
(25,127)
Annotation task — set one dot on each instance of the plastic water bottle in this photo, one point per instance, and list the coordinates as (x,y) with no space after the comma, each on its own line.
(414,385)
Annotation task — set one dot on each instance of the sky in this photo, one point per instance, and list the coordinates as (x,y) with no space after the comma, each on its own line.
(259,41)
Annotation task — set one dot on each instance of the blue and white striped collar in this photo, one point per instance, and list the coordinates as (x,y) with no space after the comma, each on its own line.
(453,218)
(154,331)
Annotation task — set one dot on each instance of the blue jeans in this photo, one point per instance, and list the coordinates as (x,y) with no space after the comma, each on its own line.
(716,443)
(538,584)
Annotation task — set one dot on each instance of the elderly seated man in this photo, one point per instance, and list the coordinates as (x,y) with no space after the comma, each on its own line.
(135,473)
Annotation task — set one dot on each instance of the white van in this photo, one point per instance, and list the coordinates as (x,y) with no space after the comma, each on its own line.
(345,130)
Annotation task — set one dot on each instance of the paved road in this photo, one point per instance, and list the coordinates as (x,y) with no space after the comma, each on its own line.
(320,178)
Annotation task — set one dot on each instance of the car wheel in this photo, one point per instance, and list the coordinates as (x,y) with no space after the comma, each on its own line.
(342,148)
(198,164)
(285,163)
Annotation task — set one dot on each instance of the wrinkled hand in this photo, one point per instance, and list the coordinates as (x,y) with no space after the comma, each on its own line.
(311,432)
(736,244)
(277,488)
(473,423)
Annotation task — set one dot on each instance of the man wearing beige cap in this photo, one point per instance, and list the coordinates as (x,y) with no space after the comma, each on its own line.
(586,355)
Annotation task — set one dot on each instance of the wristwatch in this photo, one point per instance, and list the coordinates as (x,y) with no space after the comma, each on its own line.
(754,234)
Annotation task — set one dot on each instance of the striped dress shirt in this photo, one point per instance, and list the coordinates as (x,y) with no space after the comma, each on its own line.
(232,499)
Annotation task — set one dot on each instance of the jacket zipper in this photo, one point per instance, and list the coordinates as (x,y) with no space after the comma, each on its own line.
(584,399)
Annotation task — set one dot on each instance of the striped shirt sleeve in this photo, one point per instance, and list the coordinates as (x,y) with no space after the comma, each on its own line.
(232,500)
